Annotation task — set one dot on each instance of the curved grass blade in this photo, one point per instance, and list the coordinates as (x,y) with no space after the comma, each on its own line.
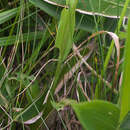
(124,10)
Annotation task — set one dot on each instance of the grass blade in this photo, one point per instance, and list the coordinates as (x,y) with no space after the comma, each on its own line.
(125,90)
(4,41)
(7,15)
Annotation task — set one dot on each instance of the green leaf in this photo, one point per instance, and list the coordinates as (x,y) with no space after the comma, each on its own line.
(97,115)
(65,32)
(7,15)
(48,8)
(106,8)
(125,89)
(64,38)
(84,22)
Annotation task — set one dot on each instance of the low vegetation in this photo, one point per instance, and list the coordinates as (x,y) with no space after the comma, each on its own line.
(64,64)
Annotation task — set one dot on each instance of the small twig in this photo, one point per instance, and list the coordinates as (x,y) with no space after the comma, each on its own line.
(80,85)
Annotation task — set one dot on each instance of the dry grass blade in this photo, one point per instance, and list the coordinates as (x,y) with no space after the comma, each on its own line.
(5,101)
(117,45)
(91,69)
(47,95)
(81,86)
(33,120)
(72,71)
(69,74)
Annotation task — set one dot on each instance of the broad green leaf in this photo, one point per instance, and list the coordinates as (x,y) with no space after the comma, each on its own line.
(125,88)
(64,35)
(5,41)
(108,8)
(50,9)
(64,38)
(7,15)
(97,115)
(84,22)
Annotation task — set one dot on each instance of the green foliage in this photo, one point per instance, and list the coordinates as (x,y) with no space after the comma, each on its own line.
(4,41)
(97,115)
(51,10)
(122,15)
(31,79)
(108,8)
(31,110)
(92,115)
(125,125)
(64,38)
(7,15)
(84,22)
(125,89)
